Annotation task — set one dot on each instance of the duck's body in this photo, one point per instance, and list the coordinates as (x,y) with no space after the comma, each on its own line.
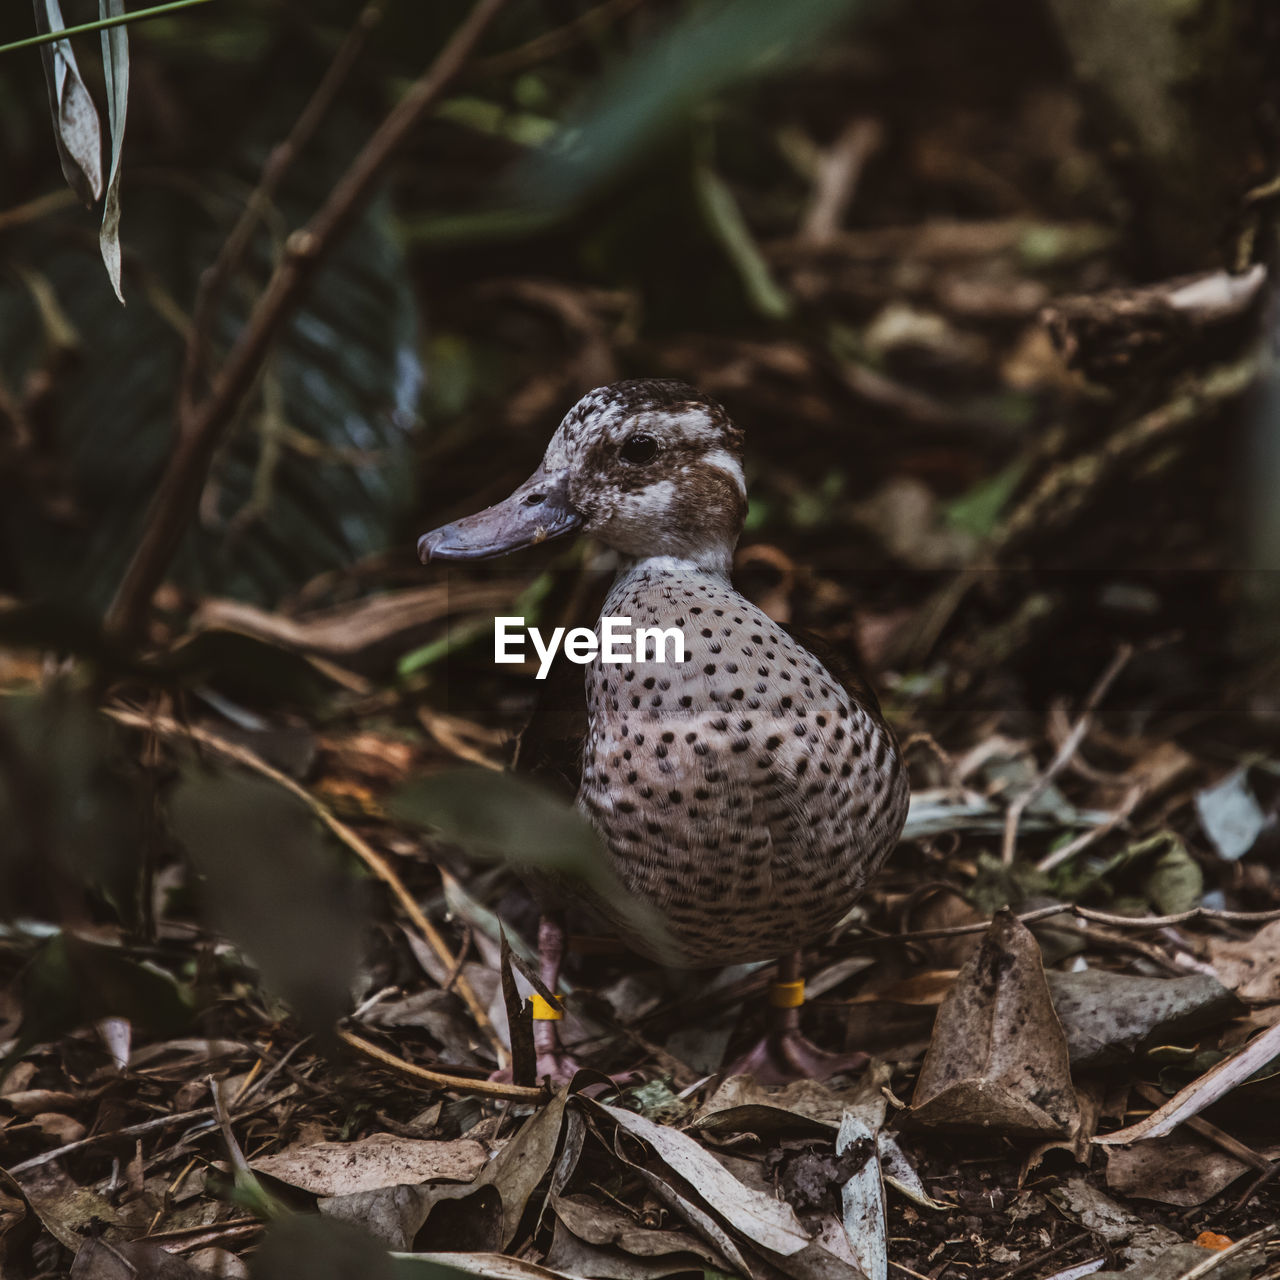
(746,793)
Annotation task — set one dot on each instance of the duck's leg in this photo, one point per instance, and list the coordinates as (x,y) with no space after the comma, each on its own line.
(551,1061)
(785,1053)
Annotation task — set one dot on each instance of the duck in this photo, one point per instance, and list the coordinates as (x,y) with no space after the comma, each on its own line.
(746,794)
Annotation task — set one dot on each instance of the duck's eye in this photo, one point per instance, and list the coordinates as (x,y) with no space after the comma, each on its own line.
(638,449)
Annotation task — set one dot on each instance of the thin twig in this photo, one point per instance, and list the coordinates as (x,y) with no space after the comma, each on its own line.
(87,28)
(129,1131)
(357,844)
(487,1088)
(1085,913)
(1068,749)
(1132,799)
(1039,1259)
(1219,1137)
(1256,1185)
(201,432)
(213,281)
(238,1162)
(836,182)
(38,208)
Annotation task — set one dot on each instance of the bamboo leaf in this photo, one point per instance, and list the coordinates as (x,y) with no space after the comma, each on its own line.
(75,119)
(115,66)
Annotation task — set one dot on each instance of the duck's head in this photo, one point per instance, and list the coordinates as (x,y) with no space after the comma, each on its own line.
(650,468)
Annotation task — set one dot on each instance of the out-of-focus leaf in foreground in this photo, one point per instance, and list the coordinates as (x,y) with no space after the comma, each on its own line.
(273,888)
(315,473)
(496,815)
(308,1247)
(72,982)
(713,48)
(68,819)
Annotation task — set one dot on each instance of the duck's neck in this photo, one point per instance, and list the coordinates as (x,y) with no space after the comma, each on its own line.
(716,561)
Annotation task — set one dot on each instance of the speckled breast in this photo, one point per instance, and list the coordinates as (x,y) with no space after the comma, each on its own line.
(743,792)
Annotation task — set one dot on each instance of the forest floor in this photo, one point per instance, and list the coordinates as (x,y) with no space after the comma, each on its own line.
(1001,477)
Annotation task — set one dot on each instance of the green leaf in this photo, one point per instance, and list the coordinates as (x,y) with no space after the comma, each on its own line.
(504,817)
(978,510)
(1175,882)
(72,982)
(70,821)
(725,220)
(657,89)
(273,888)
(309,1247)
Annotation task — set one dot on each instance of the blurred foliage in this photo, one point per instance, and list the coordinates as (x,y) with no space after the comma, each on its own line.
(72,982)
(69,812)
(315,473)
(507,818)
(269,885)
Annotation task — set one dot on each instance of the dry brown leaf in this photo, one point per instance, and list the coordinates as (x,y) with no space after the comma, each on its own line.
(769,1223)
(100,1260)
(380,1160)
(998,1057)
(1181,1169)
(598,1223)
(740,1104)
(518,1168)
(1251,968)
(1202,1092)
(576,1257)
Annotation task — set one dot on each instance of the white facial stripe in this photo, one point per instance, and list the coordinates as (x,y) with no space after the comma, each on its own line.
(723,460)
(695,425)
(653,499)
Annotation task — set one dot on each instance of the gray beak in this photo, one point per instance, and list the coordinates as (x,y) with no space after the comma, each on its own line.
(539,509)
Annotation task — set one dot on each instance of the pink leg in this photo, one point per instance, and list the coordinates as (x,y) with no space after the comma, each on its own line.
(551,1062)
(786,1054)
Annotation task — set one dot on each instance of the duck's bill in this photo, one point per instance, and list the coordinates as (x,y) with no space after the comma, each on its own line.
(539,509)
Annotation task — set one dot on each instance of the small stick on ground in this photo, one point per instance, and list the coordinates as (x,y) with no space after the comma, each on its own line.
(486,1088)
(1065,752)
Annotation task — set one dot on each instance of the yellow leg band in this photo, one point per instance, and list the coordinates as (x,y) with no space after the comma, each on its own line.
(787,995)
(543,1010)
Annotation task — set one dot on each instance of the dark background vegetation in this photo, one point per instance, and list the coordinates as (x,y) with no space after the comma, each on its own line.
(927,253)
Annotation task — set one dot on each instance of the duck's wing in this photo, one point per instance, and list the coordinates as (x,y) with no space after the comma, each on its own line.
(549,748)
(844,666)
